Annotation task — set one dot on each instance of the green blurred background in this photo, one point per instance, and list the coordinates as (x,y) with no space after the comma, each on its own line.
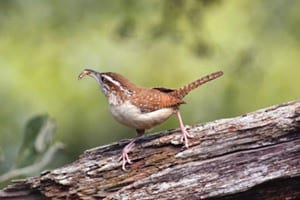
(44,45)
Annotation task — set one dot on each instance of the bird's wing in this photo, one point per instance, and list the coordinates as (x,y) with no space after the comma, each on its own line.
(153,99)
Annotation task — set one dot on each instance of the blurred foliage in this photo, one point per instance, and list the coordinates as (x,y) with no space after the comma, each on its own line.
(36,152)
(45,44)
(36,140)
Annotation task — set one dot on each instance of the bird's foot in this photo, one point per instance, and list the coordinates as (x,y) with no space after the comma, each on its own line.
(124,156)
(185,136)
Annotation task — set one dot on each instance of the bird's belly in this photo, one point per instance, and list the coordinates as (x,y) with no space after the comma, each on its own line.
(132,116)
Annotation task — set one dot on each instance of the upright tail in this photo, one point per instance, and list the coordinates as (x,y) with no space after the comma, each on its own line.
(183,91)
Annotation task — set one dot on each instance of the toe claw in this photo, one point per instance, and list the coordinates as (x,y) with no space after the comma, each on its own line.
(123,166)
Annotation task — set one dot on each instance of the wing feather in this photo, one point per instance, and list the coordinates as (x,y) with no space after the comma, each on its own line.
(153,99)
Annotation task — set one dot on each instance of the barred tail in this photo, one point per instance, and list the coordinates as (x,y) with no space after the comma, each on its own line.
(183,91)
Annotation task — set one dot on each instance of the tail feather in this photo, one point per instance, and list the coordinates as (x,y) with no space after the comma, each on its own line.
(183,91)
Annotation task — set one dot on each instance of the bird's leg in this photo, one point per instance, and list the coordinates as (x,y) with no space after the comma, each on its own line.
(124,156)
(185,134)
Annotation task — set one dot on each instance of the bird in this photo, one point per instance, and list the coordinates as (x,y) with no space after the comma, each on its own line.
(142,108)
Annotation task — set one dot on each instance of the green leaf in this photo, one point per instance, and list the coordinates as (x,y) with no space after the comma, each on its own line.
(37,138)
(44,137)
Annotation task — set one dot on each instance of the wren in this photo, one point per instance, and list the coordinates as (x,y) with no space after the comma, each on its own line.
(143,108)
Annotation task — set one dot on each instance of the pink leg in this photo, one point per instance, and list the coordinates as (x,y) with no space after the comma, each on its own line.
(124,156)
(185,134)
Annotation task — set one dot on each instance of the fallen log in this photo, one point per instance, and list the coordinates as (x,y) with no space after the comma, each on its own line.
(253,156)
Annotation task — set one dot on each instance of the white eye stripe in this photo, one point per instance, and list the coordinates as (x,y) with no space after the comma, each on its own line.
(110,79)
(117,83)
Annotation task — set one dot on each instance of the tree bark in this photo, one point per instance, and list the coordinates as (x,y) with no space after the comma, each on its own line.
(253,156)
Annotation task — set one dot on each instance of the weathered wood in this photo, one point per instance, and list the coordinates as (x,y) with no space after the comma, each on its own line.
(256,154)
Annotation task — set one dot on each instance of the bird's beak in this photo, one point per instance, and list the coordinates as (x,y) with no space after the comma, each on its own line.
(89,72)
